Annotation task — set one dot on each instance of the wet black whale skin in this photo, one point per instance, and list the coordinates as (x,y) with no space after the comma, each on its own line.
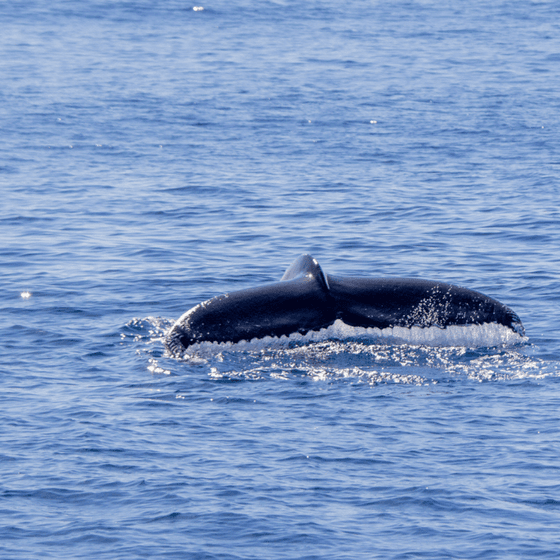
(306,299)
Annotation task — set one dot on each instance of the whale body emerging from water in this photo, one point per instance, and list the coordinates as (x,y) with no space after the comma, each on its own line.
(306,300)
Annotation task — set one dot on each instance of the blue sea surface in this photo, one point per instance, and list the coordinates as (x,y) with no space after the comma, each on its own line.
(155,154)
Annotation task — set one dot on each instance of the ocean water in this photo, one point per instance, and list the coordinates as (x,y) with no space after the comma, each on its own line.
(155,154)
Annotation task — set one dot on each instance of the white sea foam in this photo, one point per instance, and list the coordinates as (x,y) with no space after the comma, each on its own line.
(487,335)
(415,356)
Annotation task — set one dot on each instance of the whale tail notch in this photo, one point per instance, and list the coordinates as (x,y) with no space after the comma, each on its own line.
(306,265)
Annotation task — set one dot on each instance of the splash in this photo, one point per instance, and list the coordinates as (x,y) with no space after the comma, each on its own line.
(487,335)
(400,356)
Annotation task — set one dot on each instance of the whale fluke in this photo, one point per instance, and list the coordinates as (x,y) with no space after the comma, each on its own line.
(306,300)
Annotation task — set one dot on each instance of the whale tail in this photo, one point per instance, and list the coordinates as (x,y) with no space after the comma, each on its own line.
(306,299)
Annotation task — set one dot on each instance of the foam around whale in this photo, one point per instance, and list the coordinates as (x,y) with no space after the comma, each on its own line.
(488,335)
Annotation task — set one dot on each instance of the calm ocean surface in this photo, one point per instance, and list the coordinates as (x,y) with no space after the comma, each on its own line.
(155,154)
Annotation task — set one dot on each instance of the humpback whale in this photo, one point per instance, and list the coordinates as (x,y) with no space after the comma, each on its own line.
(306,299)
